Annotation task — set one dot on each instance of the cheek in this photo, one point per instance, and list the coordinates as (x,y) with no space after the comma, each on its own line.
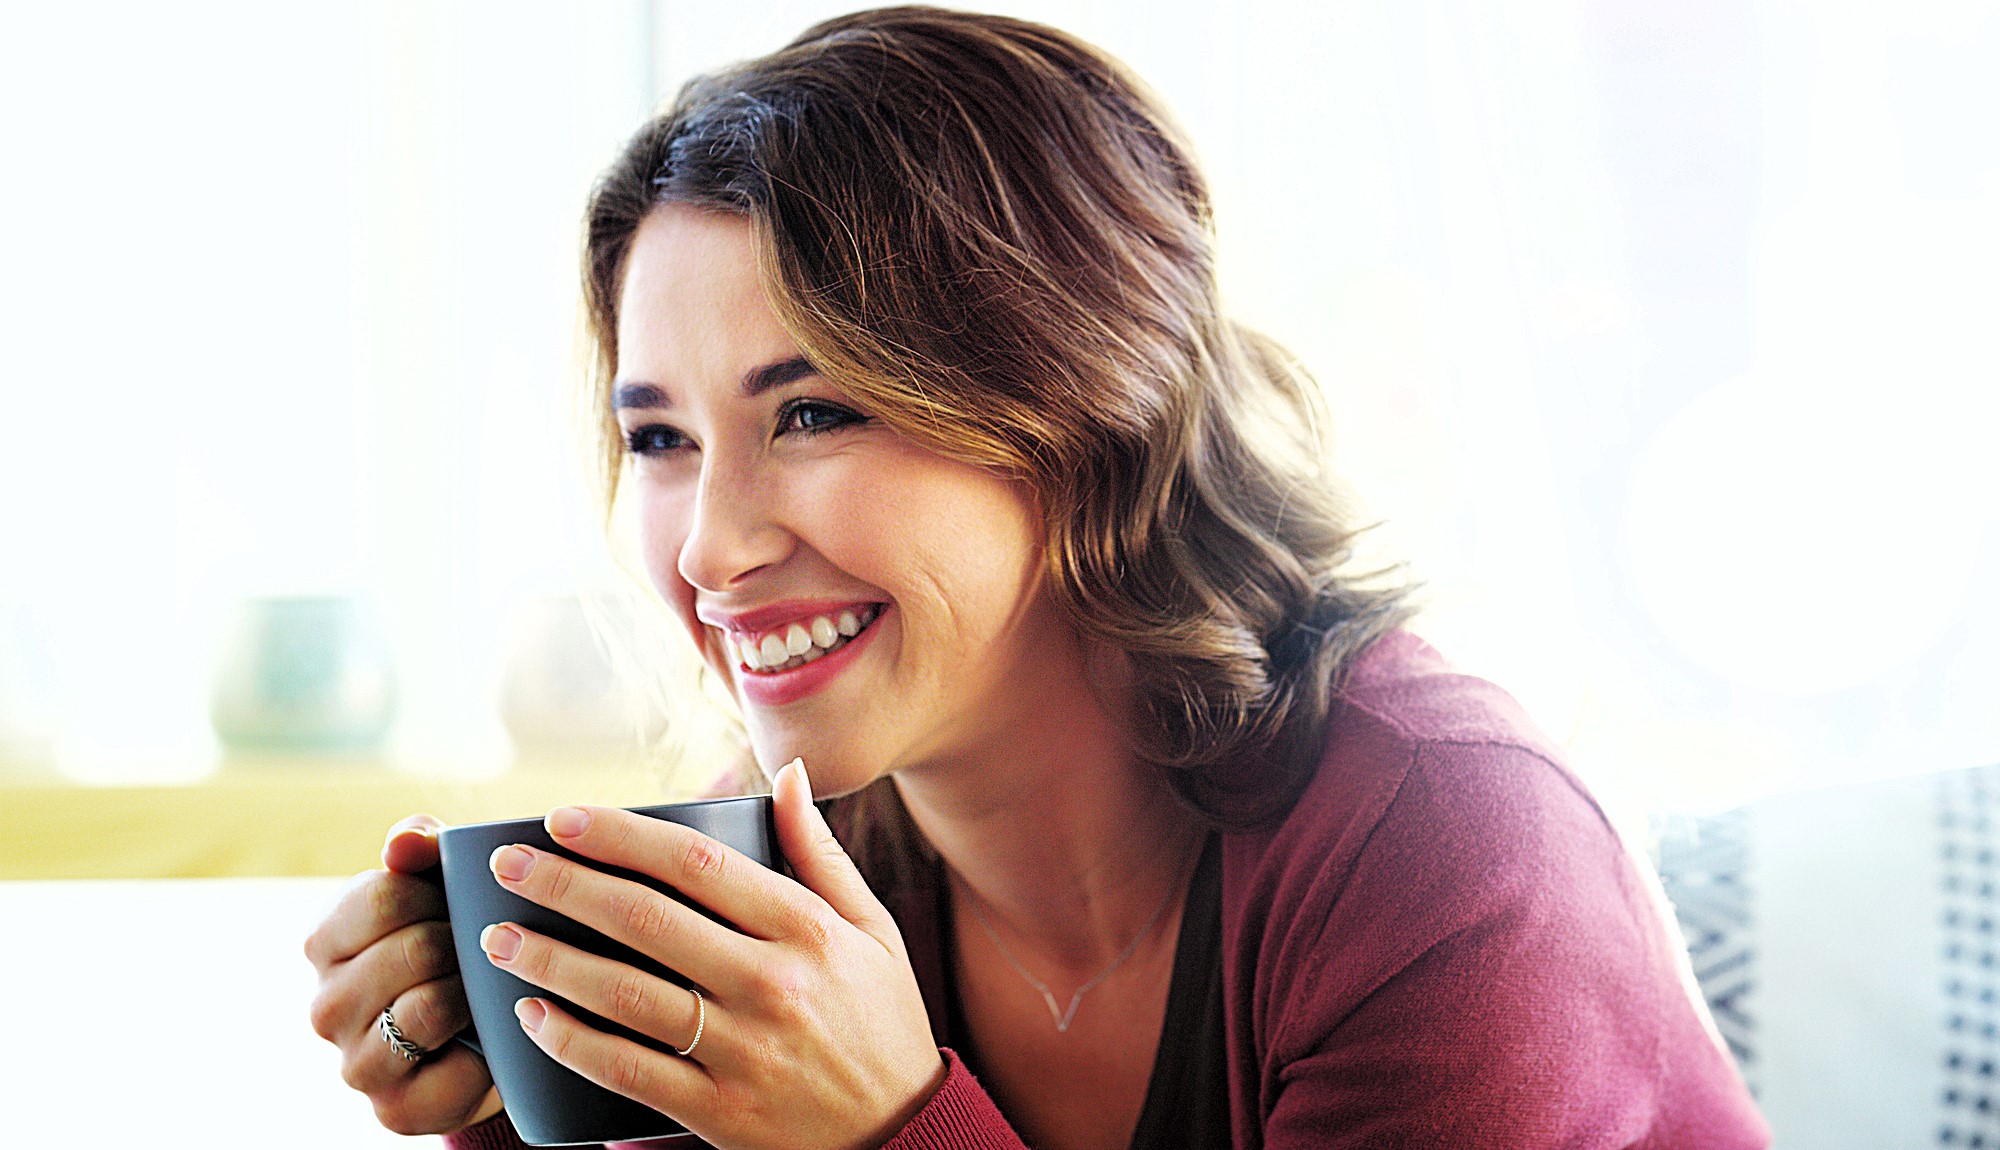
(967,546)
(846,512)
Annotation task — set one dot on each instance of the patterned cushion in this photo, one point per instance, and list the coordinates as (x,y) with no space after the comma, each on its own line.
(1845,940)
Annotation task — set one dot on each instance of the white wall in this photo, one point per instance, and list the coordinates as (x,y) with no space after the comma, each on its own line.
(1658,335)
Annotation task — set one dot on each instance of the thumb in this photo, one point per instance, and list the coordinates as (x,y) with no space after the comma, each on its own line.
(818,859)
(412,845)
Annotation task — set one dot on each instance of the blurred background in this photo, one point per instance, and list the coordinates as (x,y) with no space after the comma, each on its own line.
(1659,338)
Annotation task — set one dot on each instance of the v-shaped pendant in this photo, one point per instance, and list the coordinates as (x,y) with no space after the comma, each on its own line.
(1063,1017)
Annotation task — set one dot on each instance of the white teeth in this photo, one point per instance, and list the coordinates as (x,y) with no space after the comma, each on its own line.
(801,643)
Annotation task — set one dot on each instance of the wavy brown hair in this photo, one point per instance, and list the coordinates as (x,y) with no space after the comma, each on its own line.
(991,235)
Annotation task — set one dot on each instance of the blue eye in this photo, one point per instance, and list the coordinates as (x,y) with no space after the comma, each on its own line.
(654,439)
(816,417)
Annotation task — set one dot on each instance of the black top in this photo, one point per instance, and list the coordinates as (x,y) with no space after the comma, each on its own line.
(1187,1098)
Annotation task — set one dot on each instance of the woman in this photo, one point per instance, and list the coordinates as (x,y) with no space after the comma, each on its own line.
(1153,829)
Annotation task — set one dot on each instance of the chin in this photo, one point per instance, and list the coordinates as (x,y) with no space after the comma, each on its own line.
(833,771)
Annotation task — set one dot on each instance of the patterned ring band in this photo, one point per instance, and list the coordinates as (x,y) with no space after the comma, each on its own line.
(700,1022)
(393,1035)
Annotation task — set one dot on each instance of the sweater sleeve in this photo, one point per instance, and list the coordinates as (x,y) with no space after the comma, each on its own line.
(496,1133)
(1493,975)
(960,1116)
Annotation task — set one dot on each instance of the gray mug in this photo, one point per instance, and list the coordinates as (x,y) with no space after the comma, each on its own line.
(551,1105)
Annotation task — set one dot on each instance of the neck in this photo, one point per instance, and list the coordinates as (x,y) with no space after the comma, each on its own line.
(1066,843)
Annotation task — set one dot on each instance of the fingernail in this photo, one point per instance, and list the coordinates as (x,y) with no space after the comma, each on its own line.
(401,831)
(501,941)
(805,781)
(513,863)
(568,822)
(531,1012)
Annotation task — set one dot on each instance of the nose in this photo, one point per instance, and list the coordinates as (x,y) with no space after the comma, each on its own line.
(732,535)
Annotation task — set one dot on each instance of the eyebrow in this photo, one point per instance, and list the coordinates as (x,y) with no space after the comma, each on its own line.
(778,374)
(756,381)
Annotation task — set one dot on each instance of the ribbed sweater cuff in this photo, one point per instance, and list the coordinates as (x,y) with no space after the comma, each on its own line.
(960,1116)
(496,1133)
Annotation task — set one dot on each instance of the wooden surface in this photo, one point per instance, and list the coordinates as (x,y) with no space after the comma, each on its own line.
(275,819)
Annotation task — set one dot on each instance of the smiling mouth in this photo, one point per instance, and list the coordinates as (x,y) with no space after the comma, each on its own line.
(801,642)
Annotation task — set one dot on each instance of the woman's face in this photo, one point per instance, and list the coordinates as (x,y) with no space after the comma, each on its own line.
(873,605)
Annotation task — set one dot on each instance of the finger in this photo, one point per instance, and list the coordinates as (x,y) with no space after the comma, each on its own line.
(431,1015)
(628,996)
(374,904)
(352,994)
(412,845)
(818,859)
(649,922)
(426,1016)
(667,1082)
(750,895)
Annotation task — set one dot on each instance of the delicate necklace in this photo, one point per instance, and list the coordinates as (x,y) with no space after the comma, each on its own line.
(1064,1017)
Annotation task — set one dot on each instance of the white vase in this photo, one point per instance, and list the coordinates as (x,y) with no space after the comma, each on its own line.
(30,720)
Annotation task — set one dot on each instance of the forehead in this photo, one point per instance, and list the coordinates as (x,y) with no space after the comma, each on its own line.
(692,309)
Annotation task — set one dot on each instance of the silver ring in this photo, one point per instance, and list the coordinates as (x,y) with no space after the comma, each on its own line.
(393,1035)
(700,1022)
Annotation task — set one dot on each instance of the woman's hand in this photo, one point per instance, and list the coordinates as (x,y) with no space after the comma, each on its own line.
(812,1030)
(387,944)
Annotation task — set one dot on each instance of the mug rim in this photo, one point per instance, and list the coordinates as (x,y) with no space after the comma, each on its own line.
(537,820)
